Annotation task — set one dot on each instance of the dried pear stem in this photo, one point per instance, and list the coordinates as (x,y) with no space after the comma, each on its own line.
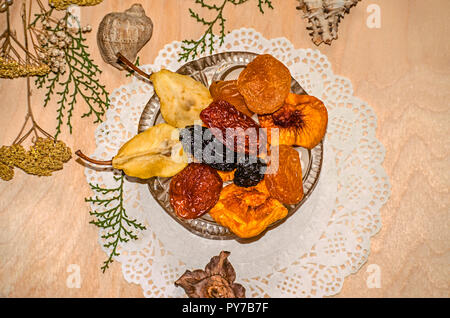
(122,59)
(94,161)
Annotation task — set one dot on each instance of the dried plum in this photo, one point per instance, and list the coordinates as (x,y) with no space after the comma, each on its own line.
(201,143)
(250,172)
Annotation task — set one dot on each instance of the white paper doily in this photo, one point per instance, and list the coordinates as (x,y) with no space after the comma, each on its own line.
(311,253)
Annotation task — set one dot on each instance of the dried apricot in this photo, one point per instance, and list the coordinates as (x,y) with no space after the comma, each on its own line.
(195,190)
(228,91)
(302,121)
(265,83)
(226,176)
(286,183)
(247,212)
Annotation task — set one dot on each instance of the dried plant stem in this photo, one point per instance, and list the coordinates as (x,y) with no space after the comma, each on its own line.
(122,59)
(80,154)
(34,125)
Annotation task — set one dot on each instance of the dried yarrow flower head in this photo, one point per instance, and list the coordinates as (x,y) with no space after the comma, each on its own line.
(12,155)
(54,38)
(15,58)
(43,158)
(216,281)
(10,68)
(6,172)
(64,4)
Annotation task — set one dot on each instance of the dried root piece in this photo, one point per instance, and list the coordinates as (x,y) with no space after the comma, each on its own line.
(324,17)
(216,281)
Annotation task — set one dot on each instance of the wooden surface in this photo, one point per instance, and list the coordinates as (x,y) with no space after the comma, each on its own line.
(402,70)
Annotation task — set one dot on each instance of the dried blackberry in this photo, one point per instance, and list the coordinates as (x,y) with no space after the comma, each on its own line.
(250,172)
(206,148)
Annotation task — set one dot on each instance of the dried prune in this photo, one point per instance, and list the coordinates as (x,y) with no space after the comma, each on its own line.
(249,172)
(244,135)
(205,148)
(195,190)
(286,183)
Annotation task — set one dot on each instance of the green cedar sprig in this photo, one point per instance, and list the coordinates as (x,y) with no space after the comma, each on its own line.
(192,48)
(80,79)
(112,217)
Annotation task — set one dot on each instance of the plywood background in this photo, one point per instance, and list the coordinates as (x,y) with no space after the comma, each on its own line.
(402,70)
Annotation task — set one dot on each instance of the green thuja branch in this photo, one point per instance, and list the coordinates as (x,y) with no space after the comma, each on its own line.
(74,78)
(112,217)
(192,48)
(261,3)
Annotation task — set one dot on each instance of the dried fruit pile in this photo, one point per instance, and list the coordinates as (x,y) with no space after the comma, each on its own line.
(214,131)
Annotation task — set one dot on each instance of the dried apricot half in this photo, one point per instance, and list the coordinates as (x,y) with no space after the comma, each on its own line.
(247,212)
(265,83)
(228,91)
(286,183)
(302,121)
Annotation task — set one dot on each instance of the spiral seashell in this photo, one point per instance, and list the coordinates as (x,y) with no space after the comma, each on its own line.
(125,32)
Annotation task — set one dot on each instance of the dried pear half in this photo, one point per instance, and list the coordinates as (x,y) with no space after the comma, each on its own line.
(181,97)
(156,152)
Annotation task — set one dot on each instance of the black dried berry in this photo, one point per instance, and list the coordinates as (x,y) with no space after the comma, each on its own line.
(249,172)
(205,148)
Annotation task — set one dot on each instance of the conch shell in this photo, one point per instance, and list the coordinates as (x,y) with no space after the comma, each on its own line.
(125,32)
(324,17)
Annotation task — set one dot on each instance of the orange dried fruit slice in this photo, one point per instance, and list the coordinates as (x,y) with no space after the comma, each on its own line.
(302,121)
(265,83)
(228,91)
(285,184)
(247,212)
(226,176)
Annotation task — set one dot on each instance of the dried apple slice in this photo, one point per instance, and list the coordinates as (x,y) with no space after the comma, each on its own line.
(181,97)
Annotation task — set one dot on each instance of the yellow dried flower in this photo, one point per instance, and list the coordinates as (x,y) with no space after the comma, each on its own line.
(12,155)
(64,4)
(12,69)
(6,172)
(45,156)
